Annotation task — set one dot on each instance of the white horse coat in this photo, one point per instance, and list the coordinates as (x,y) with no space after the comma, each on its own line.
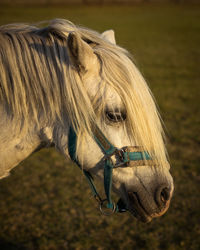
(64,75)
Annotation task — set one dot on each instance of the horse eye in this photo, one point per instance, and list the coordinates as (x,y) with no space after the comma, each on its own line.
(115,116)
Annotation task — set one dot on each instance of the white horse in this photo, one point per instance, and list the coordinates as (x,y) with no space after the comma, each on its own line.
(75,89)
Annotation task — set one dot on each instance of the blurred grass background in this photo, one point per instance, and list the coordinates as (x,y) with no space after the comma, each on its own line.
(46,204)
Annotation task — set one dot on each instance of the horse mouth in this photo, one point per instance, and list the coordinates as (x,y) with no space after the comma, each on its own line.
(136,208)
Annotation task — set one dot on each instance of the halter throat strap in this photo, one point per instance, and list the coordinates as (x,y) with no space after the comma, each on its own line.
(123,157)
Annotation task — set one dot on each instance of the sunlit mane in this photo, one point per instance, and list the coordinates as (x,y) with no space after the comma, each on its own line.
(37,80)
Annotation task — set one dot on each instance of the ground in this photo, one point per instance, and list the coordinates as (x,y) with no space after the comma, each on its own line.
(46,202)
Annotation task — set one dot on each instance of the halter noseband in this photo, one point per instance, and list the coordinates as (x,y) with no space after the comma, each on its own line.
(123,157)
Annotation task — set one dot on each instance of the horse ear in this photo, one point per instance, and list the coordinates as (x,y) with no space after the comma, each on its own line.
(109,35)
(80,53)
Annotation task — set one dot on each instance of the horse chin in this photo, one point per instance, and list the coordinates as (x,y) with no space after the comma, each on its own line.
(136,209)
(139,213)
(140,216)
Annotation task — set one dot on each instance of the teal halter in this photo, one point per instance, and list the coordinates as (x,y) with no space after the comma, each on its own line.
(123,156)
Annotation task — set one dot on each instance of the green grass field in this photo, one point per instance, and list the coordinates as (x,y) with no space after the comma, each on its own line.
(46,204)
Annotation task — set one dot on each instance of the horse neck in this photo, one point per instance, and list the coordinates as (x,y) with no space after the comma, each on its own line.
(17,145)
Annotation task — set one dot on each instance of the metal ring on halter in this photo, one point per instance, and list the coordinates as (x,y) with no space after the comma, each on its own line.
(106,211)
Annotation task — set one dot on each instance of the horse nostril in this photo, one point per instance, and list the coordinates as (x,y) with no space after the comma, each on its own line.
(162,195)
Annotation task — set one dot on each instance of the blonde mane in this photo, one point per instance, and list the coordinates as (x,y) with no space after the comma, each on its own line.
(37,80)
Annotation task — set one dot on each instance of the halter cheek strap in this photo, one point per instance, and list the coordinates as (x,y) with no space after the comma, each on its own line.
(123,156)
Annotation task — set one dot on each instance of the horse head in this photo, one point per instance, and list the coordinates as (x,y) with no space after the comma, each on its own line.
(74,88)
(122,116)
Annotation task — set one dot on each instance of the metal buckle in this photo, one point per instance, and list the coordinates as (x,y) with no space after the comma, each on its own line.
(121,152)
(104,209)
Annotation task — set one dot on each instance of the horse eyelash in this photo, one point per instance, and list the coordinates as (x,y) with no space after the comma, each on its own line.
(115,116)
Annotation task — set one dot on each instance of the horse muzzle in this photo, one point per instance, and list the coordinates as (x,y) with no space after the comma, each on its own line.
(147,203)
